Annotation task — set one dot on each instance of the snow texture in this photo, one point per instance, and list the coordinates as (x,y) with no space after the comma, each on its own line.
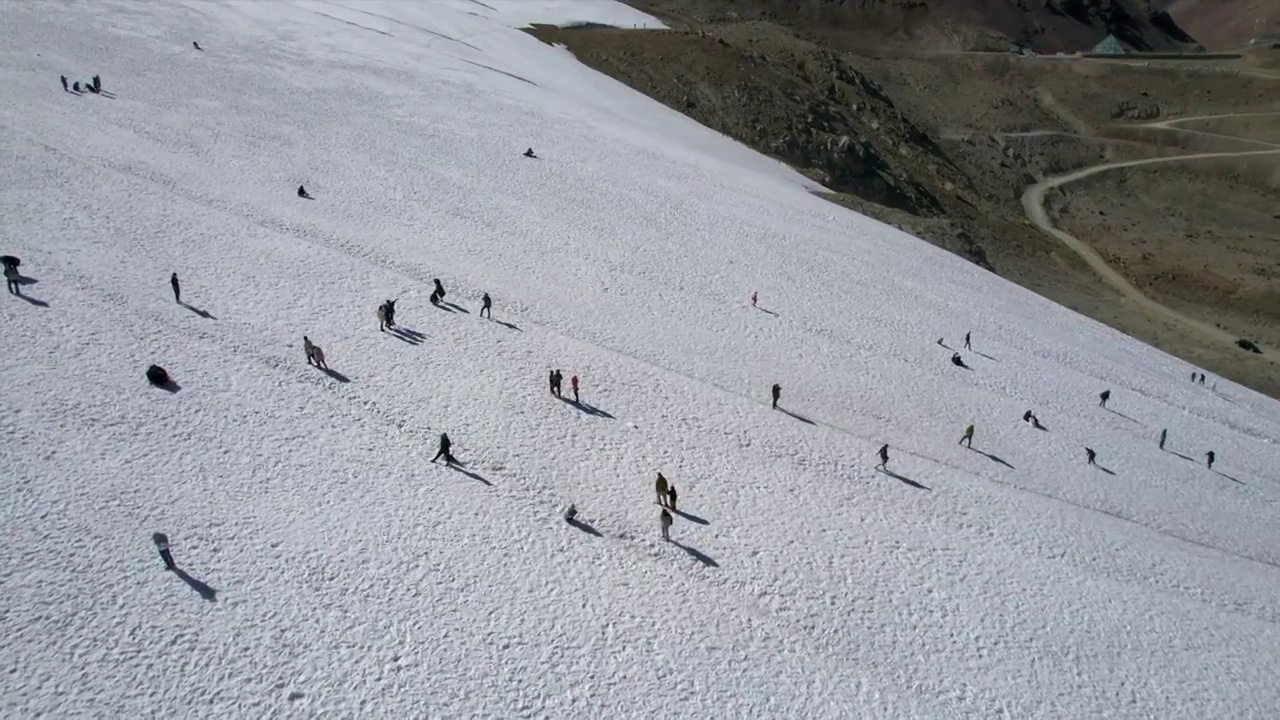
(329,568)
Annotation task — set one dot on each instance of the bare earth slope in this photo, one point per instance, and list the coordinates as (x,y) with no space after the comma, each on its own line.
(943,144)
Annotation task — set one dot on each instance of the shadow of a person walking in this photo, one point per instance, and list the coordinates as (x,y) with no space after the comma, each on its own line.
(902,478)
(202,313)
(797,416)
(993,458)
(584,527)
(697,554)
(198,585)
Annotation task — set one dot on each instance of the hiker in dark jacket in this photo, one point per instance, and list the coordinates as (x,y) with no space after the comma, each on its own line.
(955,360)
(1209,458)
(439,288)
(75,86)
(11,280)
(391,313)
(97,84)
(884,456)
(1164,435)
(660,487)
(665,519)
(486,306)
(1103,398)
(671,497)
(777,393)
(177,291)
(445,450)
(966,341)
(63,78)
(1090,455)
(302,192)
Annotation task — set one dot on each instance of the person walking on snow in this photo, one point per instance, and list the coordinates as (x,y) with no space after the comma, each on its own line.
(391,313)
(573,383)
(446,446)
(11,279)
(63,78)
(660,487)
(1090,455)
(665,519)
(302,193)
(1104,397)
(884,457)
(162,544)
(671,497)
(1202,379)
(439,288)
(753,292)
(177,290)
(968,437)
(309,349)
(777,393)
(1209,458)
(317,354)
(570,513)
(966,341)
(486,306)
(955,360)
(1164,435)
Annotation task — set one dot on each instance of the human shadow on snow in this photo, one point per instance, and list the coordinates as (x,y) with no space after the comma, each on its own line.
(797,416)
(511,326)
(691,517)
(993,458)
(447,307)
(767,311)
(469,473)
(198,585)
(456,307)
(1117,412)
(584,527)
(33,301)
(1104,469)
(1222,474)
(407,336)
(901,478)
(202,313)
(697,554)
(587,408)
(335,375)
(992,359)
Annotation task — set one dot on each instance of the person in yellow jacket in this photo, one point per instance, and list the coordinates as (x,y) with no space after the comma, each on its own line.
(967,440)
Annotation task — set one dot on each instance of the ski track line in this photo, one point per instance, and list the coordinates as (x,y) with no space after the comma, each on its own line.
(1033,205)
(350,249)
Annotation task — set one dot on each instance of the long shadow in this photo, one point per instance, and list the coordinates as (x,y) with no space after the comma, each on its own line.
(993,458)
(33,301)
(409,332)
(979,352)
(169,387)
(335,375)
(399,334)
(469,473)
(198,585)
(24,280)
(1103,469)
(691,517)
(963,367)
(511,326)
(944,345)
(445,307)
(1215,472)
(797,416)
(906,480)
(1040,427)
(766,310)
(586,408)
(1184,457)
(202,313)
(584,527)
(698,555)
(1117,412)
(456,307)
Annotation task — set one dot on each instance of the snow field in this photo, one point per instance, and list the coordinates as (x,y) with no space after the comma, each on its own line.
(354,578)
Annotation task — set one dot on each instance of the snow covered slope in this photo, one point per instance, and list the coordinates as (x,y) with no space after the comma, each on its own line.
(331,569)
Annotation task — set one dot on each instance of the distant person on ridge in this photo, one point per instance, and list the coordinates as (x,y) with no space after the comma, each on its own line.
(884,457)
(777,393)
(1103,398)
(177,291)
(1090,455)
(968,437)
(660,487)
(1202,378)
(1164,435)
(391,313)
(486,306)
(966,341)
(1209,458)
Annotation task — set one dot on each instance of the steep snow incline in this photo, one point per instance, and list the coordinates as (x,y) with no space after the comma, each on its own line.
(332,569)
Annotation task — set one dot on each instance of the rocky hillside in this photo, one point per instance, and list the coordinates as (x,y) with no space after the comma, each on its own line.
(1226,24)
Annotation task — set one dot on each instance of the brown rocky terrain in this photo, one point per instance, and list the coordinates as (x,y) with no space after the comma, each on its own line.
(1225,24)
(943,143)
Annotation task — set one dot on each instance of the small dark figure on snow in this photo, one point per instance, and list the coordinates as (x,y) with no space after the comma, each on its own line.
(966,341)
(486,306)
(968,437)
(162,544)
(177,291)
(11,279)
(884,456)
(439,288)
(1202,378)
(391,313)
(665,519)
(573,383)
(1164,435)
(302,193)
(529,153)
(1193,377)
(317,354)
(157,376)
(1209,458)
(1090,455)
(383,323)
(671,497)
(753,298)
(75,86)
(97,84)
(776,391)
(955,360)
(660,487)
(1035,423)
(570,513)
(9,261)
(1026,416)
(1103,398)
(196,45)
(63,78)
(309,349)
(446,446)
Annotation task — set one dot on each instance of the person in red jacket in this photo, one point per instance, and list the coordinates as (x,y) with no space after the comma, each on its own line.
(573,382)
